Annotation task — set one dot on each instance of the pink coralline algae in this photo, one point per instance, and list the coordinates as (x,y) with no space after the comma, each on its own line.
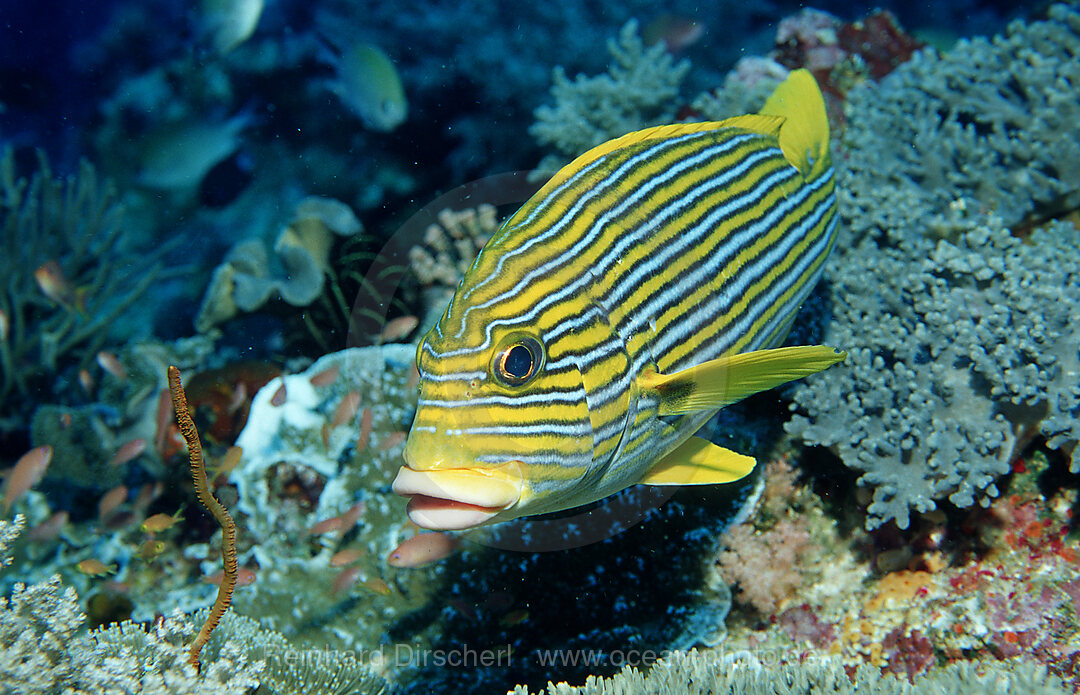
(836,51)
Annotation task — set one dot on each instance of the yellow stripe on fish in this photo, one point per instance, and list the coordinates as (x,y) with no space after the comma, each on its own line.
(644,287)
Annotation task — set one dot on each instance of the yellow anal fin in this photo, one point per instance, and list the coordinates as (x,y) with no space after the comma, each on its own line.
(699,462)
(726,380)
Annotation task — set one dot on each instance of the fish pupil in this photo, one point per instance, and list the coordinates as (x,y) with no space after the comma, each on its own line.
(518,362)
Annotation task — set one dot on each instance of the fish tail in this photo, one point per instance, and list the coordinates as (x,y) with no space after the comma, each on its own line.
(804,136)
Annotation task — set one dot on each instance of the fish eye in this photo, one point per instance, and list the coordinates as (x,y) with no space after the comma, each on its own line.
(519,361)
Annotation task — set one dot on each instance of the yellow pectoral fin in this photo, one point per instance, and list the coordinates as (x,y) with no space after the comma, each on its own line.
(699,462)
(723,381)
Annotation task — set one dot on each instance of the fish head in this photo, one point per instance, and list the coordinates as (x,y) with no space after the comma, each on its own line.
(502,429)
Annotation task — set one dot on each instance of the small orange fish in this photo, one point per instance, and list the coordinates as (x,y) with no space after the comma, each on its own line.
(147,494)
(351,516)
(86,380)
(325,526)
(244,576)
(344,580)
(280,396)
(397,329)
(55,285)
(346,557)
(342,522)
(150,549)
(95,568)
(25,475)
(128,452)
(423,549)
(229,461)
(110,501)
(65,420)
(378,586)
(677,33)
(365,430)
(49,529)
(111,364)
(325,377)
(346,409)
(514,618)
(391,440)
(239,397)
(160,522)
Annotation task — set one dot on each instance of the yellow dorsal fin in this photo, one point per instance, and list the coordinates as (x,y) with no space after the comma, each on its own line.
(723,381)
(659,132)
(699,462)
(755,123)
(804,137)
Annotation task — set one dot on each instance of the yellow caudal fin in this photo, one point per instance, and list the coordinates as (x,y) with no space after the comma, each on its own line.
(804,137)
(699,462)
(723,381)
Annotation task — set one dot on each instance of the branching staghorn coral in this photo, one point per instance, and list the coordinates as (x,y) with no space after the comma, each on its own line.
(69,233)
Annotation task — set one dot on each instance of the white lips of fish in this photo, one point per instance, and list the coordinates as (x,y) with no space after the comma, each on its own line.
(459,498)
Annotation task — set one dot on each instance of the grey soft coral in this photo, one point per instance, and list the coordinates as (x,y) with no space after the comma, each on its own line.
(962,337)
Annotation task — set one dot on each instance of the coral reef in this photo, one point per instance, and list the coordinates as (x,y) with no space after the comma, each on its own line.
(762,556)
(697,673)
(319,453)
(447,251)
(87,437)
(639,90)
(961,343)
(840,55)
(988,585)
(990,122)
(45,648)
(68,275)
(959,355)
(248,279)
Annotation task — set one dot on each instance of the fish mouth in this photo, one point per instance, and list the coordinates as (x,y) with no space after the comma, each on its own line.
(458,498)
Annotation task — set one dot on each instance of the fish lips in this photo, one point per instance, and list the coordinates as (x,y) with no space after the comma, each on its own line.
(458,498)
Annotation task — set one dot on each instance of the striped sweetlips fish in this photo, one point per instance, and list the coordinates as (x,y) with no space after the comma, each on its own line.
(644,287)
